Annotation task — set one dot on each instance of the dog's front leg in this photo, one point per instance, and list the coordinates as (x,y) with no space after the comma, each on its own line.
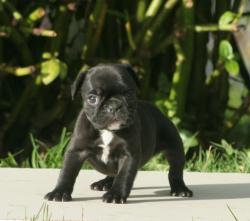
(123,182)
(73,161)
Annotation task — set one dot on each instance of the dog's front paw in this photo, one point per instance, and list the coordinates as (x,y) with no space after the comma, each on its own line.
(181,191)
(58,195)
(113,196)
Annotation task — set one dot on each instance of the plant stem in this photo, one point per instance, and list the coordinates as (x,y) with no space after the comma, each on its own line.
(35,31)
(159,20)
(27,95)
(129,34)
(95,27)
(215,28)
(163,45)
(184,73)
(40,32)
(61,26)
(153,8)
(176,76)
(35,15)
(17,39)
(18,71)
(140,12)
(151,13)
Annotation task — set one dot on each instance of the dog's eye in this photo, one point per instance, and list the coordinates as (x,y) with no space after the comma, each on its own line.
(93,99)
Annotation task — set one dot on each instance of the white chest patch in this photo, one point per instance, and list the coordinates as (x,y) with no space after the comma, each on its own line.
(107,137)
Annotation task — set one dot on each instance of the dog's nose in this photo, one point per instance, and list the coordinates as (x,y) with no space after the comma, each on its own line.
(110,109)
(113,108)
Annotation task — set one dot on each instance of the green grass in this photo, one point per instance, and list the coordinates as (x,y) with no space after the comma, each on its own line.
(211,161)
(52,157)
(43,214)
(229,159)
(220,157)
(41,157)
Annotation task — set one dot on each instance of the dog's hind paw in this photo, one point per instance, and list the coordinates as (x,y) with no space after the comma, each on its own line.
(102,185)
(181,191)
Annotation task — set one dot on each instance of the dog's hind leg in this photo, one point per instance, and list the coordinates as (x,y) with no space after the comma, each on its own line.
(176,160)
(103,185)
(172,147)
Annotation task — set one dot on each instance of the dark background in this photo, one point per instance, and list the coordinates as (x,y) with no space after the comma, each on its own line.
(175,46)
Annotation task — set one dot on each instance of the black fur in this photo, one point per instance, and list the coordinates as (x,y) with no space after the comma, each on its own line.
(142,132)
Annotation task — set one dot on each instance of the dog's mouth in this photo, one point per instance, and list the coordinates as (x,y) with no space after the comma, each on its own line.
(113,126)
(117,125)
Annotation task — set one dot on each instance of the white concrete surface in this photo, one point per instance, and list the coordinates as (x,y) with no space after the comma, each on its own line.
(22,191)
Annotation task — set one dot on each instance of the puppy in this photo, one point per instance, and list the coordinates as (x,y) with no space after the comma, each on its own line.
(117,134)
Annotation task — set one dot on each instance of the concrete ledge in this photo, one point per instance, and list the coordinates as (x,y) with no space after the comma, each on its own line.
(215,194)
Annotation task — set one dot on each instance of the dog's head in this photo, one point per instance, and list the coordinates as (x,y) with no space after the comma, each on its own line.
(109,95)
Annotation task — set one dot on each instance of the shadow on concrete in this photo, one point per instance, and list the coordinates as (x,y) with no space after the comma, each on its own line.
(77,199)
(201,192)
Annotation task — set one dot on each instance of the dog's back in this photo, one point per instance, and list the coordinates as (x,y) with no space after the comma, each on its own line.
(161,132)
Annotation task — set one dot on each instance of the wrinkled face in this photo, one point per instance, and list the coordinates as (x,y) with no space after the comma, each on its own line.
(109,97)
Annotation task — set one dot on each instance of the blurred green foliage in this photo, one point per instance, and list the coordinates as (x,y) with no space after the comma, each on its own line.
(220,157)
(182,50)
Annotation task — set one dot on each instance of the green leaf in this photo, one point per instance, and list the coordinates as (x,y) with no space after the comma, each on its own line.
(226,50)
(51,69)
(36,14)
(227,18)
(63,70)
(232,67)
(189,139)
(38,80)
(46,55)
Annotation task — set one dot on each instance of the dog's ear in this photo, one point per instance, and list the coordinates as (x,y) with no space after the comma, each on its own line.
(77,84)
(132,74)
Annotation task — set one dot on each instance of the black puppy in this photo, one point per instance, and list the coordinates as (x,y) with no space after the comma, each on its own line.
(118,134)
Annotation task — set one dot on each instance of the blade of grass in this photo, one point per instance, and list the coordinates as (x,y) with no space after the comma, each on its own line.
(232,213)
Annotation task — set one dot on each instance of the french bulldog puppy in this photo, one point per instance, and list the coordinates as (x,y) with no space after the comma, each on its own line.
(117,134)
